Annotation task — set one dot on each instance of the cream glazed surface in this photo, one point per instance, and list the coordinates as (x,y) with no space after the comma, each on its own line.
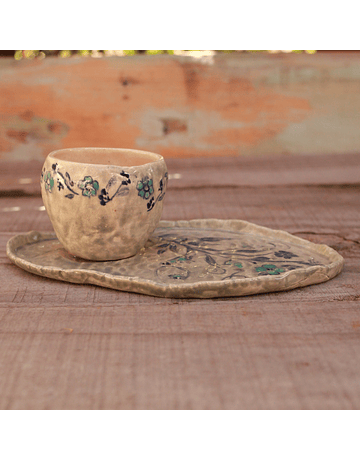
(103,203)
(187,259)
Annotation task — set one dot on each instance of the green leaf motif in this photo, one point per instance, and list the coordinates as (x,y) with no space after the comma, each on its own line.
(269,269)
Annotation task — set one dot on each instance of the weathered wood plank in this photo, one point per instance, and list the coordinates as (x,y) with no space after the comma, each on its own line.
(177,106)
(23,177)
(180,371)
(65,346)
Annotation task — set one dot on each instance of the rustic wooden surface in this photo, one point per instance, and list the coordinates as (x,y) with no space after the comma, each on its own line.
(65,346)
(178,106)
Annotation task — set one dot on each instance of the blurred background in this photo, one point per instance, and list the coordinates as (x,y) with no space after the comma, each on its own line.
(179,103)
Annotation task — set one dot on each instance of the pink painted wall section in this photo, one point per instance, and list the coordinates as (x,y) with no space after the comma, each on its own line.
(180,106)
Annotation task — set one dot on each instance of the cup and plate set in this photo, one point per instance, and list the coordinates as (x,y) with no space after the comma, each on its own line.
(105,206)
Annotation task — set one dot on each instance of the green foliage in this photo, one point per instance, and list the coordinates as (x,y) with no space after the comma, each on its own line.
(151,52)
(65,53)
(83,52)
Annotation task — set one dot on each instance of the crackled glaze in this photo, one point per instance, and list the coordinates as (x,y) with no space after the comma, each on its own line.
(103,211)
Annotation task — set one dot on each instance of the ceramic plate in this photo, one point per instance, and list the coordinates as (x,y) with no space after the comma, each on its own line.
(184,259)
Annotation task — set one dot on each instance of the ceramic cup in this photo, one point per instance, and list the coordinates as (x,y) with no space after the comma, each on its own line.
(103,203)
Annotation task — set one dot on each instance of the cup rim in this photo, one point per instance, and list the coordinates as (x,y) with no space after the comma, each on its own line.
(156,156)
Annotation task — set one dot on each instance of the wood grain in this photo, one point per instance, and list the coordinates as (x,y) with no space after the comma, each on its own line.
(18,178)
(181,107)
(65,346)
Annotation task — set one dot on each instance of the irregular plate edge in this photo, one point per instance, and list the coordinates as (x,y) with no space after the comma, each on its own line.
(203,289)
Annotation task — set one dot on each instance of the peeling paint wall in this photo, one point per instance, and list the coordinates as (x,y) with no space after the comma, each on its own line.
(181,106)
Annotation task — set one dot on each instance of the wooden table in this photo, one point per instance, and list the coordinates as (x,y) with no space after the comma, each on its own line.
(67,346)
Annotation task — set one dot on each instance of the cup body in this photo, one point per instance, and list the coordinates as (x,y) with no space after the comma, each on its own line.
(103,203)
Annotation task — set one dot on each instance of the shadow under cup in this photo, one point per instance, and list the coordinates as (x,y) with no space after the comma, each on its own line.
(103,203)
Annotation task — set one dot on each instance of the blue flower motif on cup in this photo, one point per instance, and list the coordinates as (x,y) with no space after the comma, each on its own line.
(89,186)
(145,188)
